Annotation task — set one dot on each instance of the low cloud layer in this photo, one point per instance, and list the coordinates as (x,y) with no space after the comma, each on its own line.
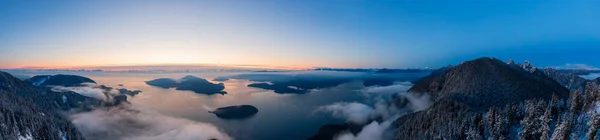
(577,66)
(88,90)
(131,122)
(123,123)
(392,89)
(386,108)
(352,112)
(372,131)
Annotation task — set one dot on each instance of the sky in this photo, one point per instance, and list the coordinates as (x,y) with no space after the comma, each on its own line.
(297,34)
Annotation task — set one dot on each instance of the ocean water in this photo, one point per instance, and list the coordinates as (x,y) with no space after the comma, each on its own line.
(280,116)
(591,76)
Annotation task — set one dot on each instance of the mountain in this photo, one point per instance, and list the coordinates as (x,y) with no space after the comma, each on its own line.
(569,80)
(21,117)
(58,80)
(465,93)
(489,81)
(10,83)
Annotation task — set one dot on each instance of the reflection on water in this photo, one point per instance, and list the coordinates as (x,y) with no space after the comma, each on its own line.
(280,116)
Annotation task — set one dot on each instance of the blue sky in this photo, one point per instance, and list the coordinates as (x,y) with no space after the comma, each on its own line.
(392,34)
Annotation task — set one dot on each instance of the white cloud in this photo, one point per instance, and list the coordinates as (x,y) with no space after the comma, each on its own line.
(373,131)
(576,66)
(590,76)
(392,89)
(353,112)
(130,122)
(87,91)
(418,103)
(385,108)
(123,123)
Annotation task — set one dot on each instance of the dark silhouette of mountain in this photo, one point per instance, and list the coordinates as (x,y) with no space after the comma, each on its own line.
(278,88)
(221,79)
(190,83)
(578,71)
(569,80)
(402,70)
(10,83)
(489,81)
(163,83)
(330,131)
(375,70)
(129,92)
(461,93)
(294,84)
(58,80)
(303,83)
(235,112)
(28,112)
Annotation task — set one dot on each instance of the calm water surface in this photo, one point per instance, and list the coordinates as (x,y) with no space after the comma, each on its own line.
(280,116)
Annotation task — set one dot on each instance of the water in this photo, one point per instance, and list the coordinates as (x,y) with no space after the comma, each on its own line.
(280,116)
(591,76)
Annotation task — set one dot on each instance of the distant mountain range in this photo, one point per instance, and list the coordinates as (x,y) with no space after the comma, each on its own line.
(375,70)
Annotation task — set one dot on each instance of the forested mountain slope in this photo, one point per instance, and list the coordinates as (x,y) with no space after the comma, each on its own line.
(21,117)
(489,99)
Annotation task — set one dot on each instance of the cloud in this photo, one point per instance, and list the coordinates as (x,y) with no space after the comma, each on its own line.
(418,103)
(372,131)
(130,122)
(577,66)
(88,91)
(391,102)
(353,112)
(123,123)
(392,89)
(590,76)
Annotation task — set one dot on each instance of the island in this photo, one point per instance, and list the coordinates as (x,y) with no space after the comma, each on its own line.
(128,92)
(235,112)
(189,83)
(59,80)
(221,79)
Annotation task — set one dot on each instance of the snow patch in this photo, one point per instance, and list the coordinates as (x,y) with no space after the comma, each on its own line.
(528,67)
(26,137)
(510,62)
(64,99)
(41,81)
(62,135)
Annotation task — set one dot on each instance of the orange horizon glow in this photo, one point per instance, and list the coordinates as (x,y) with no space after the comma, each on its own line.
(170,66)
(173,66)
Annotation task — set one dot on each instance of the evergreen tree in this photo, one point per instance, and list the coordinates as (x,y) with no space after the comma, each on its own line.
(546,123)
(563,131)
(594,124)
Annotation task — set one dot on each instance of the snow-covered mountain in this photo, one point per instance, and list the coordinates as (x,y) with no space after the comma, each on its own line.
(489,99)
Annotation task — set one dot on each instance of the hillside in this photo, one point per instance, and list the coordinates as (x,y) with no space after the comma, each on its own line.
(22,118)
(486,82)
(486,98)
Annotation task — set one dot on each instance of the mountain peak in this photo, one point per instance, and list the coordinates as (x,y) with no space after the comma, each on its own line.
(9,82)
(488,81)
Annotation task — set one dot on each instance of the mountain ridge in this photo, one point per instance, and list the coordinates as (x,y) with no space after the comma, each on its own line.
(491,80)
(462,93)
(23,118)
